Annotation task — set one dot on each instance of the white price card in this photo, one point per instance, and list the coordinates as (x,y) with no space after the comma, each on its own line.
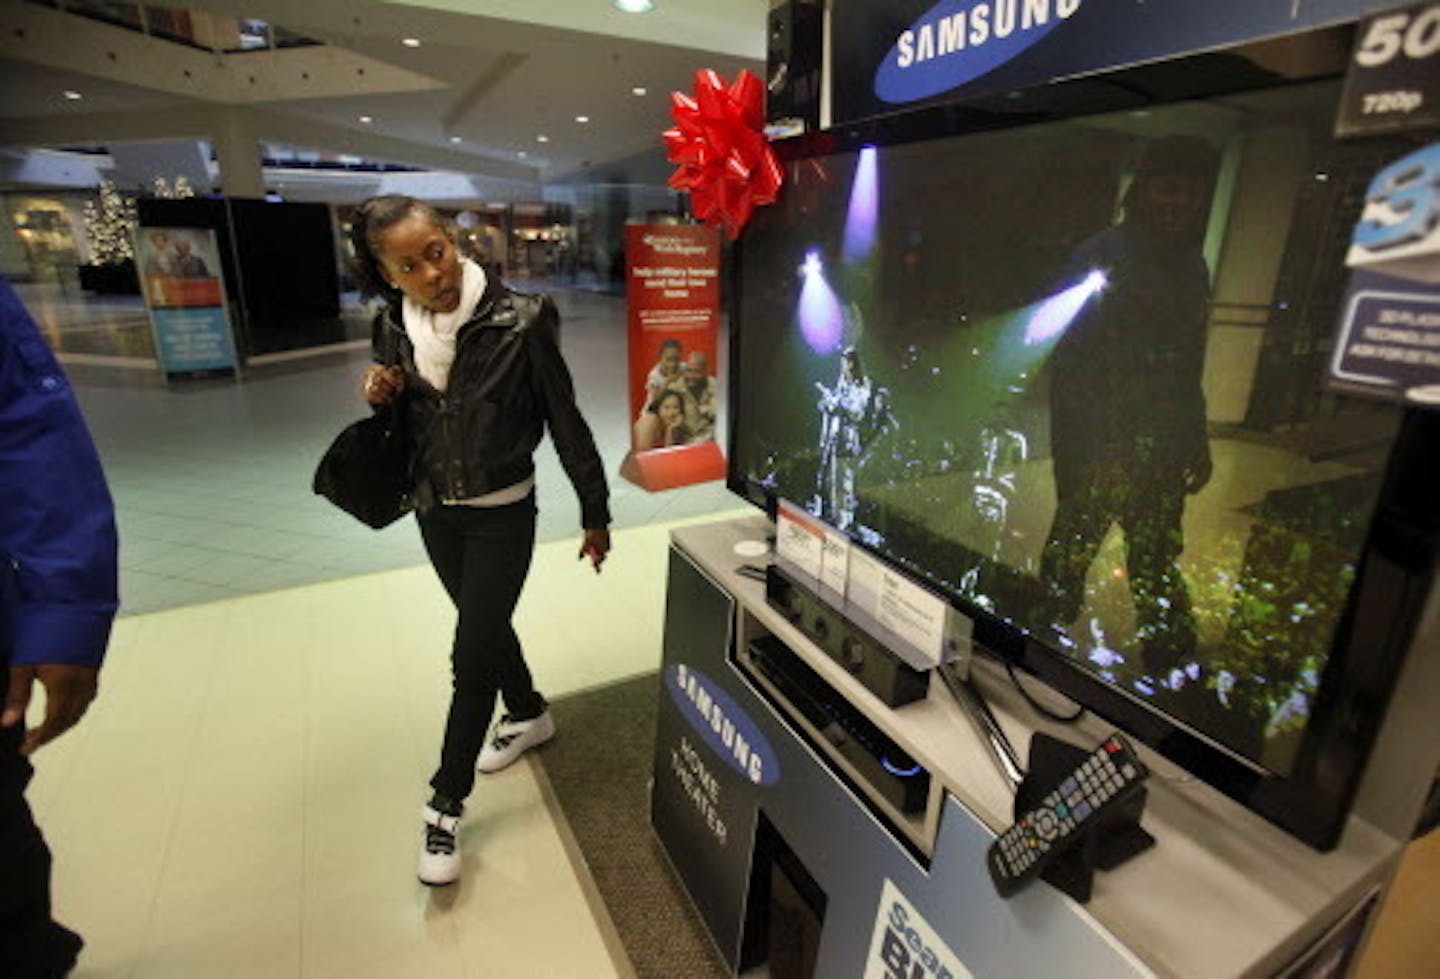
(912,613)
(835,563)
(799,538)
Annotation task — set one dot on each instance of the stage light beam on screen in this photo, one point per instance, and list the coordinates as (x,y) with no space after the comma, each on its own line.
(1055,314)
(821,320)
(860,220)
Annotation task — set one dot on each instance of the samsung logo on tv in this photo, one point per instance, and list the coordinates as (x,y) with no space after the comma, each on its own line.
(957,41)
(724,726)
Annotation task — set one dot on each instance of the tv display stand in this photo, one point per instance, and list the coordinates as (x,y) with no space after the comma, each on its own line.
(901,868)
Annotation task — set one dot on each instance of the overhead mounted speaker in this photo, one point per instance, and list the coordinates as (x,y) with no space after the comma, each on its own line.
(793,61)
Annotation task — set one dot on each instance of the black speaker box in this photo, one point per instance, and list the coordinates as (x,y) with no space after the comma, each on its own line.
(795,925)
(794,54)
(867,659)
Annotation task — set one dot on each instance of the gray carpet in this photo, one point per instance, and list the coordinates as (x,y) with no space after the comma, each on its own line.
(599,769)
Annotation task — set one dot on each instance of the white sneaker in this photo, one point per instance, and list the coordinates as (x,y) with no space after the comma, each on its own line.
(511,739)
(440,854)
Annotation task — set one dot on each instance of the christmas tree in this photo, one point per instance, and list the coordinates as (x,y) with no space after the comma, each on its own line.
(110,226)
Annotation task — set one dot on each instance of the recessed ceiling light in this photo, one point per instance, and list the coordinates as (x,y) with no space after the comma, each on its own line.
(73,95)
(410,42)
(542,139)
(639,90)
(582,118)
(454,139)
(366,119)
(634,6)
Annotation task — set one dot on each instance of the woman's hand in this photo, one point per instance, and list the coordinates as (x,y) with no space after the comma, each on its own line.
(595,546)
(382,385)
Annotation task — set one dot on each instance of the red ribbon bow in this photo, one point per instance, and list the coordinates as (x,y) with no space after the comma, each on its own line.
(719,143)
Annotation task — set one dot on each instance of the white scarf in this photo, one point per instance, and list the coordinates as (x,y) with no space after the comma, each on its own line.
(433,334)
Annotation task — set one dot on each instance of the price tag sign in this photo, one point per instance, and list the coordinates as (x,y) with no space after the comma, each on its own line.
(1394,79)
(800,538)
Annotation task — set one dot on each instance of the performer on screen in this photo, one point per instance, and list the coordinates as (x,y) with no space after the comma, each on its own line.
(1127,413)
(1003,450)
(854,414)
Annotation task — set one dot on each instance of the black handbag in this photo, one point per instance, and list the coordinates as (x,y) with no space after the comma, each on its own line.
(366,470)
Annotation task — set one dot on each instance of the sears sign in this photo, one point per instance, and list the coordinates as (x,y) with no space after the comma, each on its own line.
(957,41)
(723,725)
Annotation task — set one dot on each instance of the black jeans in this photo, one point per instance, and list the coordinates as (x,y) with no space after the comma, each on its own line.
(1150,514)
(32,946)
(482,554)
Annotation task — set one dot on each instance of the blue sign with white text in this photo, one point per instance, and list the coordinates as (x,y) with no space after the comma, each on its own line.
(1392,342)
(193,339)
(898,53)
(723,724)
(924,60)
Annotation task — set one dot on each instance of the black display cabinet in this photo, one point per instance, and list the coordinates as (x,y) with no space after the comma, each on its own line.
(279,264)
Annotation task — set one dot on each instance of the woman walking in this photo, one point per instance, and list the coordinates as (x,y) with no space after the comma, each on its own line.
(475,372)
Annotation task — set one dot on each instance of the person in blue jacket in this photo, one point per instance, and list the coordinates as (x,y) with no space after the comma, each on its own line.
(58,585)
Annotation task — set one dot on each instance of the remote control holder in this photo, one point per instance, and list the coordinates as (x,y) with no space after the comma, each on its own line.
(1113,838)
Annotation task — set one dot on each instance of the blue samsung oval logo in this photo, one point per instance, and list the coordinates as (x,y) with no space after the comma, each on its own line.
(957,41)
(721,722)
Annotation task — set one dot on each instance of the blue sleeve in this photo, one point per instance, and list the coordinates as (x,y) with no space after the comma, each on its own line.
(58,548)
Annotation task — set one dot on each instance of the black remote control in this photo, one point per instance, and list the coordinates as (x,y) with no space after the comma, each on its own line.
(1109,775)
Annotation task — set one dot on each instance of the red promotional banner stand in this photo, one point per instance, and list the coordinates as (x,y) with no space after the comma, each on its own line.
(673,295)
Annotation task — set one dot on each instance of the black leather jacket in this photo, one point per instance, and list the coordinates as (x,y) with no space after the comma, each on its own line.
(507,383)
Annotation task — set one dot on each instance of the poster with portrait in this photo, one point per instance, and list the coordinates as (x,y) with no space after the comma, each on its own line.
(184,289)
(673,298)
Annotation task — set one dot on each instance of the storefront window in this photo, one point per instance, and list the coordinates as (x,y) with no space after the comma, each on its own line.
(45,228)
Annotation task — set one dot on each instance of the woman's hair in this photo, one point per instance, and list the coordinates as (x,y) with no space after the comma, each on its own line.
(372,219)
(654,406)
(667,344)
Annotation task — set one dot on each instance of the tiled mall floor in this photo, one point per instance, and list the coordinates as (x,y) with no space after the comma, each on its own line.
(243,799)
(212,480)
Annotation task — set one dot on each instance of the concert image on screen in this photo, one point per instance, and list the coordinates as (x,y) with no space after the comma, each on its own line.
(1071,374)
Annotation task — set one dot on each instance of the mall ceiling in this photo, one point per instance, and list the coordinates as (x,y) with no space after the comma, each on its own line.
(490,87)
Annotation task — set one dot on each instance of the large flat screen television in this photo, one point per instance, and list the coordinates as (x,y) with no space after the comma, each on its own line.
(1067,366)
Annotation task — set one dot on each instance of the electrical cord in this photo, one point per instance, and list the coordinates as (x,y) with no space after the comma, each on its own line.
(1180,778)
(1039,707)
